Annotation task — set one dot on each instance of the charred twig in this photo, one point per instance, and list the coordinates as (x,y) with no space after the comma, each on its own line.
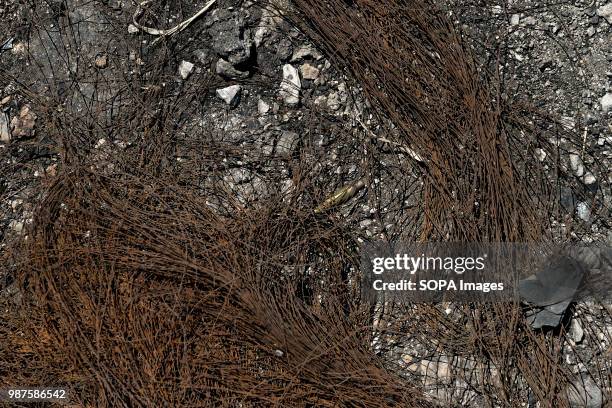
(402,148)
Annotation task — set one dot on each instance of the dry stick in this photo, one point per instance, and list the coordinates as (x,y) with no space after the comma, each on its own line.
(176,29)
(401,147)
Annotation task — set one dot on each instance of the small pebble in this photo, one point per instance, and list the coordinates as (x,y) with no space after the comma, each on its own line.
(101,61)
(185,69)
(606,102)
(262,107)
(230,94)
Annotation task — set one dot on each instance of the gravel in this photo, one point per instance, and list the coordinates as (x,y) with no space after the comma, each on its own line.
(291,85)
(263,107)
(5,134)
(606,102)
(576,332)
(584,211)
(287,143)
(185,69)
(23,124)
(230,95)
(309,72)
(576,164)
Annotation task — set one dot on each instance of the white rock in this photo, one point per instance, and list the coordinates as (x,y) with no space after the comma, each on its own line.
(606,102)
(287,143)
(540,154)
(18,48)
(305,52)
(605,11)
(291,85)
(407,358)
(230,94)
(23,124)
(515,19)
(576,333)
(5,134)
(185,69)
(584,211)
(16,204)
(286,187)
(309,72)
(333,101)
(568,122)
(132,29)
(576,164)
(16,226)
(101,61)
(100,143)
(589,179)
(262,107)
